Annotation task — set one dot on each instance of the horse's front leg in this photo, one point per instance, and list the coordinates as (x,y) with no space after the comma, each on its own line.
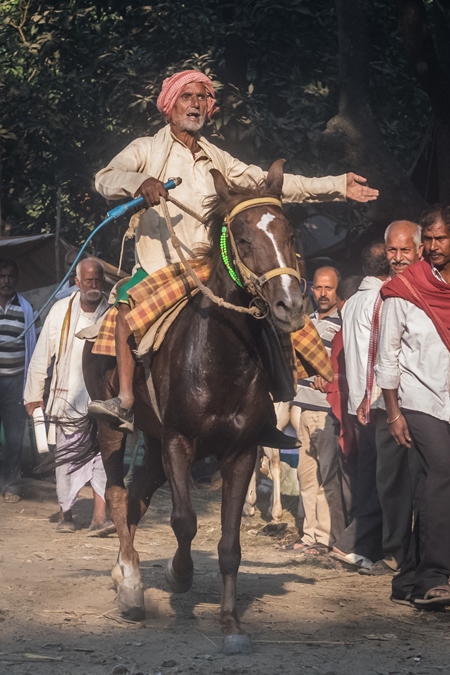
(236,473)
(177,459)
(125,574)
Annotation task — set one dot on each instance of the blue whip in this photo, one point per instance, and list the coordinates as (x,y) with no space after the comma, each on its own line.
(112,215)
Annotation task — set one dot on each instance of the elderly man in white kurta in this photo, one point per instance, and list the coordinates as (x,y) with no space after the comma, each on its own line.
(187,100)
(69,399)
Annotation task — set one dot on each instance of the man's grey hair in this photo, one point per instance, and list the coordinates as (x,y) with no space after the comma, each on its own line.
(416,230)
(89,261)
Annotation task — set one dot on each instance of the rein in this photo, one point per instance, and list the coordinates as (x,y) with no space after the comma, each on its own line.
(251,281)
(254,311)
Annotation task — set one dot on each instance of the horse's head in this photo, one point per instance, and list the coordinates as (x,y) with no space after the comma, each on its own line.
(260,246)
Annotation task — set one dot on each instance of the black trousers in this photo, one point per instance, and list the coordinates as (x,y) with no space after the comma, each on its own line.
(363,535)
(398,470)
(427,564)
(13,417)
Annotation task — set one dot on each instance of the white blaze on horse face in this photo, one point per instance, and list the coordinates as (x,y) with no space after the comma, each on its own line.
(263,225)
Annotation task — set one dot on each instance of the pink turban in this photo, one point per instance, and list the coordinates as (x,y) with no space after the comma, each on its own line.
(173,86)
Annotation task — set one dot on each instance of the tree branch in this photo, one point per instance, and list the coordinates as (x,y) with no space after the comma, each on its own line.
(20,26)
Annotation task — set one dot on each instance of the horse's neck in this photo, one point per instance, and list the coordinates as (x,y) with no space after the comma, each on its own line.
(241,328)
(221,284)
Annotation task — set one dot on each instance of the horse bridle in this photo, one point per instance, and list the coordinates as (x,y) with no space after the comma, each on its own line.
(251,281)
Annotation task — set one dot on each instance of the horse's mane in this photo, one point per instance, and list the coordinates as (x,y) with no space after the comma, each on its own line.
(218,209)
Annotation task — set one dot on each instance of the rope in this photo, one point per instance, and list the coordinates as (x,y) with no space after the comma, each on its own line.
(129,234)
(253,311)
(134,222)
(201,219)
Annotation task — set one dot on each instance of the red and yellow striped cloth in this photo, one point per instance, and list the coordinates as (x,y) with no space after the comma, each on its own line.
(158,292)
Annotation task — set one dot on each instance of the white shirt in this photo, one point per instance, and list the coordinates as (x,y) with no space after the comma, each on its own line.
(76,400)
(413,359)
(357,316)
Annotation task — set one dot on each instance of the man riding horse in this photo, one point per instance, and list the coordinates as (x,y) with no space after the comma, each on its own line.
(187,100)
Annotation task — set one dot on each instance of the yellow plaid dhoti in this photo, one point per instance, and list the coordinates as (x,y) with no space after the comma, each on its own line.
(157,293)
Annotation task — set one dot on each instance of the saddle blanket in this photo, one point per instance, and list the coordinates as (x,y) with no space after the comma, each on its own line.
(160,291)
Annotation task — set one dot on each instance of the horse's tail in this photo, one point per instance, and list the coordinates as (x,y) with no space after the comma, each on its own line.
(78,451)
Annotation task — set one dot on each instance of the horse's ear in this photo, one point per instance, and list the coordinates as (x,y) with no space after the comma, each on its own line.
(221,185)
(274,180)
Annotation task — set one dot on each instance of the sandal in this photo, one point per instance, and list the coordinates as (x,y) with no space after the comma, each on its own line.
(318,549)
(11,498)
(428,601)
(405,600)
(101,529)
(65,526)
(112,412)
(298,546)
(352,559)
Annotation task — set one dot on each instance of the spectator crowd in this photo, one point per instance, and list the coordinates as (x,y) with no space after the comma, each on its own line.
(374,466)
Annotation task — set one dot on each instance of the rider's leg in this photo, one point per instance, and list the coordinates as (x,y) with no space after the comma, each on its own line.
(125,360)
(118,410)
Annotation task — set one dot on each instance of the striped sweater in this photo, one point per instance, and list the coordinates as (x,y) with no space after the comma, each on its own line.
(307,397)
(12,351)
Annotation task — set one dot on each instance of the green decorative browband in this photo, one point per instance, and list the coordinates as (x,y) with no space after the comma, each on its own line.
(225,258)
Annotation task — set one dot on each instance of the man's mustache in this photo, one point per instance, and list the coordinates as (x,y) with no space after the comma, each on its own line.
(93,294)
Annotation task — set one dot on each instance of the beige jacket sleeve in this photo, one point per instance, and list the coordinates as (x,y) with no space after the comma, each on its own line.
(130,168)
(295,188)
(126,172)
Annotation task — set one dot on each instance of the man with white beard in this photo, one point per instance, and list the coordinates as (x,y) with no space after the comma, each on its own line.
(69,399)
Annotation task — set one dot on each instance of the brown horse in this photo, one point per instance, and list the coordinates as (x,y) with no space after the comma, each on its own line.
(212,394)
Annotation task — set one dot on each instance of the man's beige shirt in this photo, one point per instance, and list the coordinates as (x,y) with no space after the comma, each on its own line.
(163,156)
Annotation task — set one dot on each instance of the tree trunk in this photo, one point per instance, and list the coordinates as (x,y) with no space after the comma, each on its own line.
(352,137)
(431,72)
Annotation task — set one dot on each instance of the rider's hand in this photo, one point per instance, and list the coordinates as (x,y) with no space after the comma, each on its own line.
(152,189)
(399,430)
(357,191)
(31,407)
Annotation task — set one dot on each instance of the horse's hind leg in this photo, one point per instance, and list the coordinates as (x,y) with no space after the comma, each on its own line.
(180,569)
(236,474)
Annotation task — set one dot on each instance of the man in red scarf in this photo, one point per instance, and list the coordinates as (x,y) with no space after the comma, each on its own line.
(413,370)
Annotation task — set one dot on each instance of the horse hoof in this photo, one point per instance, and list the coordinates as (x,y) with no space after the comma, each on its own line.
(134,614)
(177,583)
(130,600)
(248,511)
(237,644)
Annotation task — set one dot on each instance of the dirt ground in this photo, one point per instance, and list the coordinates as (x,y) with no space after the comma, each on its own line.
(58,617)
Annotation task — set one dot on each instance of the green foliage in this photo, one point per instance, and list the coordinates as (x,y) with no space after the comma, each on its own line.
(80,79)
